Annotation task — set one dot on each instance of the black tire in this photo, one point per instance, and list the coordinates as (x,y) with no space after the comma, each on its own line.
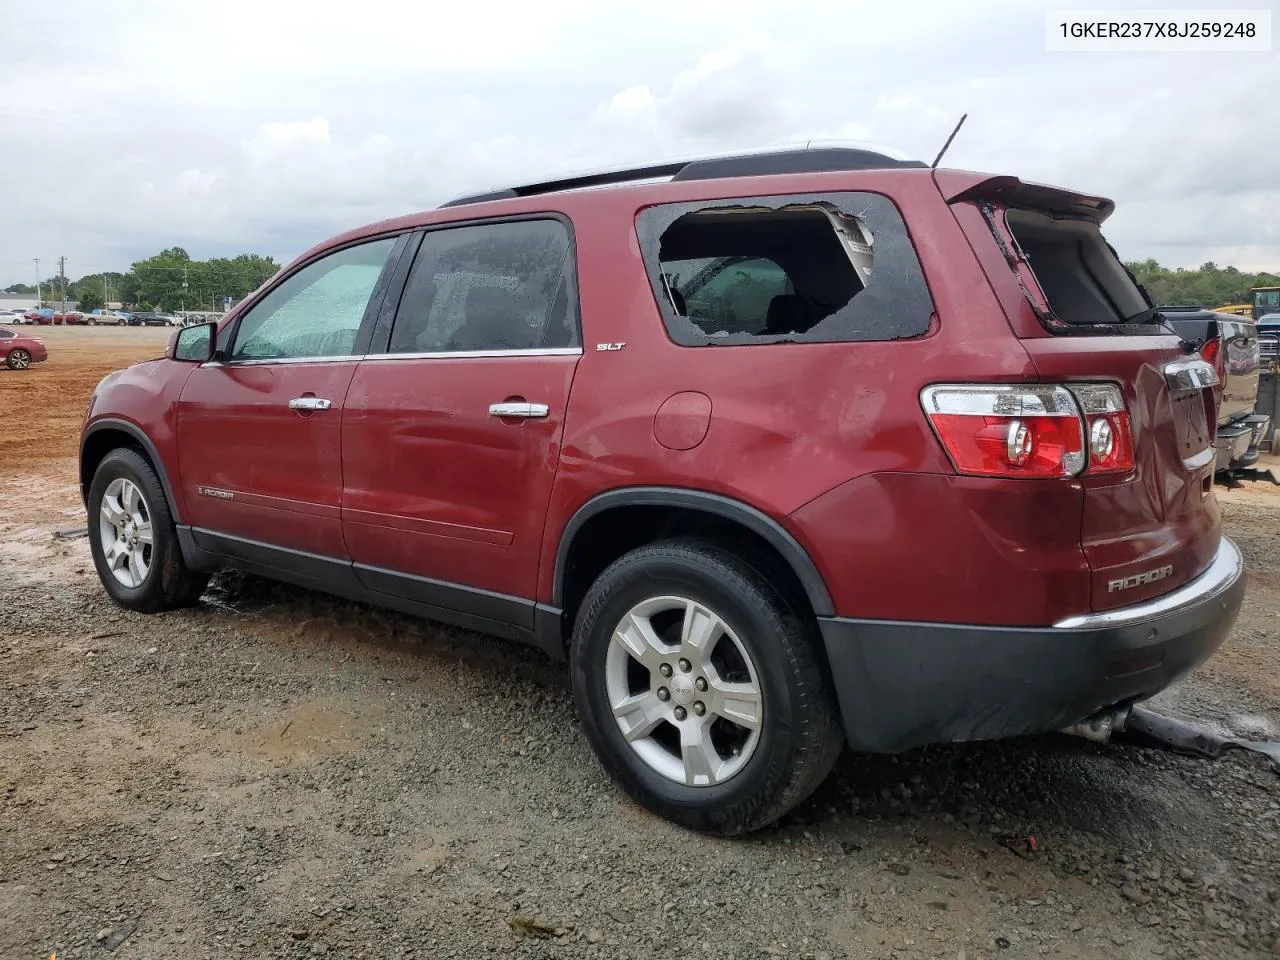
(169,583)
(19,359)
(800,738)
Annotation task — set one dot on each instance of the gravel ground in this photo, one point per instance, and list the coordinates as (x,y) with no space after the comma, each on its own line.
(279,774)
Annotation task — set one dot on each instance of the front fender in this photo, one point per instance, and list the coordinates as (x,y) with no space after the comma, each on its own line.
(141,403)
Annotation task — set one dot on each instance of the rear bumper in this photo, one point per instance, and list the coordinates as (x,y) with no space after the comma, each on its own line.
(1239,440)
(906,684)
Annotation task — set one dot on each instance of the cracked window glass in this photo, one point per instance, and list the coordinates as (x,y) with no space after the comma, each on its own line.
(785,269)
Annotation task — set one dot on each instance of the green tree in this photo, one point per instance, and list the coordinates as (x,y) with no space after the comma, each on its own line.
(161,278)
(90,300)
(171,279)
(1208,285)
(20,289)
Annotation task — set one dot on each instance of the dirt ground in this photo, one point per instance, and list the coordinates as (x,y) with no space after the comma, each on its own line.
(278,774)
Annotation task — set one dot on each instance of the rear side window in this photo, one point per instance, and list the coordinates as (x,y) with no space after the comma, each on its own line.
(489,287)
(7,335)
(1082,279)
(811,268)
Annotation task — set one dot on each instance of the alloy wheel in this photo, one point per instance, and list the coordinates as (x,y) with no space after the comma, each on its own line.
(684,691)
(124,525)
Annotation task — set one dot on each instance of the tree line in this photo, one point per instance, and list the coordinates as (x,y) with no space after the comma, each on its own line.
(170,280)
(1209,285)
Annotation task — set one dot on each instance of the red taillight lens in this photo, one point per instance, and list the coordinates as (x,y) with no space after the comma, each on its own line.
(1008,430)
(1107,427)
(1211,353)
(1110,444)
(1032,430)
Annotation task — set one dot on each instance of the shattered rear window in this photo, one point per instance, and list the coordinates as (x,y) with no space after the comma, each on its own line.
(820,268)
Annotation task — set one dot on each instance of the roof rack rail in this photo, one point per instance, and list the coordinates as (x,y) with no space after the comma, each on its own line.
(825,159)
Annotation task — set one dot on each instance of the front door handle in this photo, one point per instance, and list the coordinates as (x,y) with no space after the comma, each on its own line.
(310,403)
(519,410)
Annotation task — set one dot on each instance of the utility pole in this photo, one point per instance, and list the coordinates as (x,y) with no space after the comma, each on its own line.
(183,311)
(62,283)
(37,262)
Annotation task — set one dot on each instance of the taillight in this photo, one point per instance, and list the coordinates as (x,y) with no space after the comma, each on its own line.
(1031,430)
(992,430)
(1211,353)
(1106,426)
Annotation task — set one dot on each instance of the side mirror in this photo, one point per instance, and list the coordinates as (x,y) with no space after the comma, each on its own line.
(193,344)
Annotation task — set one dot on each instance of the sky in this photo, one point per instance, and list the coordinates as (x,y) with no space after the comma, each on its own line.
(228,126)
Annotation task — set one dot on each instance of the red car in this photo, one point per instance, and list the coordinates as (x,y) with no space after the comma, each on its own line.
(19,351)
(791,451)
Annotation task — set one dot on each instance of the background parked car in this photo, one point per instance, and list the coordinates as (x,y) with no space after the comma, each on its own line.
(1268,338)
(1230,343)
(108,317)
(152,319)
(19,351)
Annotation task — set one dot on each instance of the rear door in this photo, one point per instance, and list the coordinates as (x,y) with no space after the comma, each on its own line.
(259,433)
(451,436)
(1082,318)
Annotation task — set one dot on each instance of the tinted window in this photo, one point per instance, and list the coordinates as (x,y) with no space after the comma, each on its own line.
(317,311)
(806,268)
(7,334)
(497,286)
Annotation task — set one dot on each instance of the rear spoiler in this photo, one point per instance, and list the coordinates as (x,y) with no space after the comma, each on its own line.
(958,186)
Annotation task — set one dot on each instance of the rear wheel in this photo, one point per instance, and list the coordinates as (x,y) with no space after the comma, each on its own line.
(133,540)
(19,359)
(701,689)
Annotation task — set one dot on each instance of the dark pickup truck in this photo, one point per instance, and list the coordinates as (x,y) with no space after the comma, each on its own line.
(1231,344)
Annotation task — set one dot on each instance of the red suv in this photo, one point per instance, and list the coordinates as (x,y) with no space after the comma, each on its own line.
(788,451)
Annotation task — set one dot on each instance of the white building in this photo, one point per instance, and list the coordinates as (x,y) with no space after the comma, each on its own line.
(17,301)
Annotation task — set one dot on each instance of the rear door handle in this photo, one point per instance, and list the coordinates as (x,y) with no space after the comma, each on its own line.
(310,403)
(519,410)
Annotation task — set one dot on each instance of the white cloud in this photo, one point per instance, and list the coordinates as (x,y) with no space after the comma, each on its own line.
(226,125)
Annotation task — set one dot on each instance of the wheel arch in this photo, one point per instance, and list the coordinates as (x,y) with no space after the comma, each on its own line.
(111,433)
(728,512)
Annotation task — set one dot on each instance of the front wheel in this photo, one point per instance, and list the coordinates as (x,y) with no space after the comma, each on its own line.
(701,689)
(133,540)
(19,359)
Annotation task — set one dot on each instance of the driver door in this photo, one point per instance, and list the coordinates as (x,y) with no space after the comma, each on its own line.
(259,432)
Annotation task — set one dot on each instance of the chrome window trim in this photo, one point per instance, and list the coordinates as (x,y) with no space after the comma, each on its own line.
(480,354)
(1227,567)
(274,360)
(437,355)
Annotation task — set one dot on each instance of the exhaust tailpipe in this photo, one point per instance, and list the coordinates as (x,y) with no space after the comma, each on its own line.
(1101,725)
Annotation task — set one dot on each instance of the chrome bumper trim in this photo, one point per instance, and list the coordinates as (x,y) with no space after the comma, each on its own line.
(1227,567)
